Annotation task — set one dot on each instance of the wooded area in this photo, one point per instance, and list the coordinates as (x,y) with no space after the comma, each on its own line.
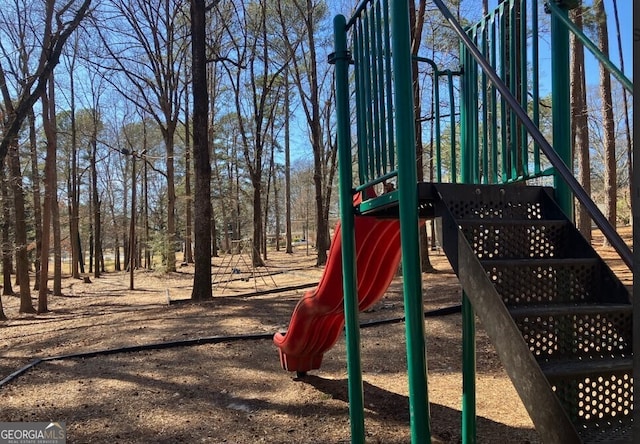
(132,130)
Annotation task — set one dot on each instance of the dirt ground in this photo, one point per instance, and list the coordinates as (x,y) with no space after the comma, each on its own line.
(230,388)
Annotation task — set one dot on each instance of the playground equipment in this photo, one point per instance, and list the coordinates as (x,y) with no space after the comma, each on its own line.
(560,320)
(238,265)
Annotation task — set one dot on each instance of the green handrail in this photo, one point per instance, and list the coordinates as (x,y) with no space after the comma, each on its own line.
(559,165)
(613,69)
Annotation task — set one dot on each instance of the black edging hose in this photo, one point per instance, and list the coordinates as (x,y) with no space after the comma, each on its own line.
(201,341)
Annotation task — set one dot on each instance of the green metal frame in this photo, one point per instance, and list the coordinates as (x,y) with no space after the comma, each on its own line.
(385,151)
(500,142)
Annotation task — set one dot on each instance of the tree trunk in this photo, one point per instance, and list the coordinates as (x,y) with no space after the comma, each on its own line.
(171,203)
(201,158)
(188,252)
(48,123)
(256,260)
(287,163)
(610,179)
(35,188)
(417,22)
(55,210)
(7,245)
(74,194)
(276,207)
(625,100)
(3,317)
(579,124)
(22,260)
(147,250)
(97,242)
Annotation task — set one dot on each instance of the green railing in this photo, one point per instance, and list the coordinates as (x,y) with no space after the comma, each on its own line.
(502,136)
(385,149)
(374,101)
(497,146)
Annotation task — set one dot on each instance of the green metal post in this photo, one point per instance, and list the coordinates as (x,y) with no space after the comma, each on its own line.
(468,114)
(535,83)
(408,206)
(354,366)
(494,107)
(452,125)
(561,108)
(524,135)
(469,432)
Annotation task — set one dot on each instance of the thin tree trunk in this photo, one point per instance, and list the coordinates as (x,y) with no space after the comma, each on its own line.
(48,123)
(171,202)
(55,210)
(7,245)
(287,162)
(188,253)
(625,100)
(610,179)
(417,22)
(579,124)
(3,317)
(276,207)
(74,195)
(35,188)
(97,244)
(147,250)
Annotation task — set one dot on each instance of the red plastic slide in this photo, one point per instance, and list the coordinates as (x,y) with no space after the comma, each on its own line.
(318,318)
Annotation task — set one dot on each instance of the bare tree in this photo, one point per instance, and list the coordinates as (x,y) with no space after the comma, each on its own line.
(150,55)
(67,18)
(59,22)
(255,80)
(299,21)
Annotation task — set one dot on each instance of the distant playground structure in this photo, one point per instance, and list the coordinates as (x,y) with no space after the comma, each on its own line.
(559,318)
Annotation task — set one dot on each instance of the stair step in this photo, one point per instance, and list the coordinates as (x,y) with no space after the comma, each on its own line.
(555,262)
(536,281)
(568,309)
(587,368)
(581,332)
(514,222)
(516,239)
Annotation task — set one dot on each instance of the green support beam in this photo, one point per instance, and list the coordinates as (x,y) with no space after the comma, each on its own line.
(354,366)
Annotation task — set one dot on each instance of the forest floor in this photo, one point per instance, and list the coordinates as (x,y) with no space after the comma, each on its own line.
(234,390)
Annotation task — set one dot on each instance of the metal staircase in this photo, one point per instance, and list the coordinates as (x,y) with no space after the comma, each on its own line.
(559,318)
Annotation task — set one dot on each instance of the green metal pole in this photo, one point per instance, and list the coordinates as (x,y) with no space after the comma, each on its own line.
(468,319)
(535,83)
(469,431)
(561,108)
(408,206)
(354,365)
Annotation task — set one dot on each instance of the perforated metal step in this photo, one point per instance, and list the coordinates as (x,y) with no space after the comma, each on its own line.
(560,319)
